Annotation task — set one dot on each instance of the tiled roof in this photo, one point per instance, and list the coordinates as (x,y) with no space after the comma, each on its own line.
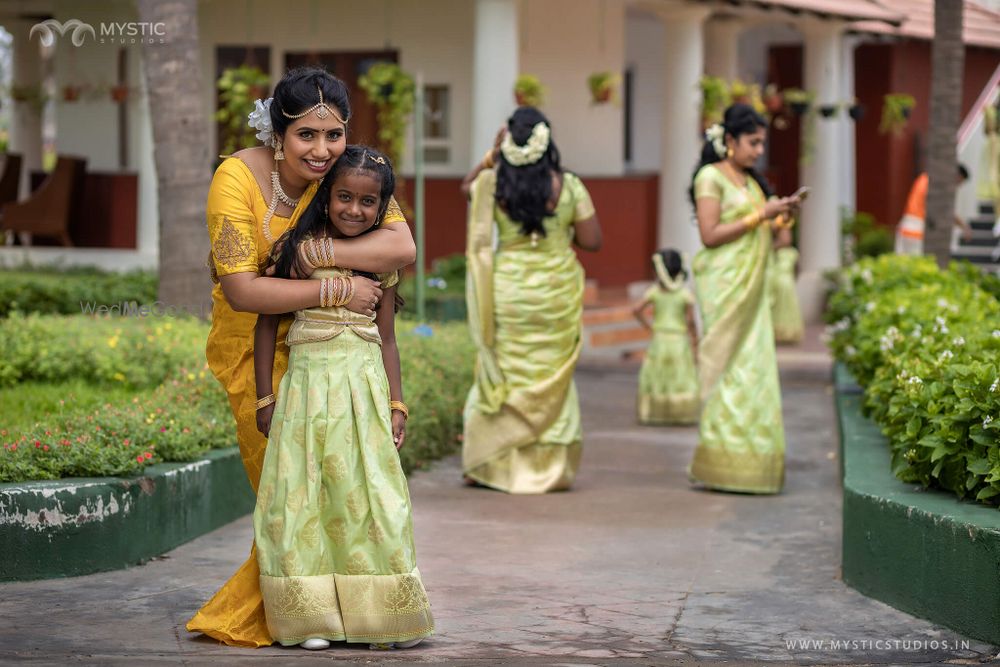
(851,10)
(981,26)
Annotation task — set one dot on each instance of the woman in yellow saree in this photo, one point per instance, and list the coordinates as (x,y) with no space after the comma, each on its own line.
(742,441)
(304,127)
(522,417)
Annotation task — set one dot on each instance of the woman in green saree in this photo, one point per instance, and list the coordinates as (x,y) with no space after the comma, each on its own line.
(525,300)
(742,440)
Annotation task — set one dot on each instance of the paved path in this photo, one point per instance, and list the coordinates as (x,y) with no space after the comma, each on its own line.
(631,567)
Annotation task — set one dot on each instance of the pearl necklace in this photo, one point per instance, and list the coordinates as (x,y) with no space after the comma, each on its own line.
(277,195)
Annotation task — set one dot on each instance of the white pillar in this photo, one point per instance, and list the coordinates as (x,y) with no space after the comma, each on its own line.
(848,186)
(26,117)
(722,46)
(494,71)
(681,139)
(819,237)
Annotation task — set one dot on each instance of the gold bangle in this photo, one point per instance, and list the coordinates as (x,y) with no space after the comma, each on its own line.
(399,405)
(331,255)
(266,401)
(310,254)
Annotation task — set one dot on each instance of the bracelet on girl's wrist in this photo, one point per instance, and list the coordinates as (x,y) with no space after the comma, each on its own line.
(266,401)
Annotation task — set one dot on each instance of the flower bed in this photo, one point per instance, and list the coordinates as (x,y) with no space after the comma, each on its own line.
(69,291)
(179,412)
(925,346)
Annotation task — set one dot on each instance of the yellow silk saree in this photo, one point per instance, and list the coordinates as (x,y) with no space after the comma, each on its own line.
(741,435)
(522,429)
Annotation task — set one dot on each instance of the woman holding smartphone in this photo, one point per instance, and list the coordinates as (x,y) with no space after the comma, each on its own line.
(742,439)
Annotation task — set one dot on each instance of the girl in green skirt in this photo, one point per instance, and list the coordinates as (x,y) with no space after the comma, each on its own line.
(668,380)
(332,525)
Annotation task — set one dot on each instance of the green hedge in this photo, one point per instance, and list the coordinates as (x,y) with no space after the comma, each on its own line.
(67,291)
(187,413)
(925,345)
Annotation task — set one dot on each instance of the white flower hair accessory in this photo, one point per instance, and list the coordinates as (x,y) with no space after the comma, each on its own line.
(532,151)
(671,284)
(260,120)
(716,134)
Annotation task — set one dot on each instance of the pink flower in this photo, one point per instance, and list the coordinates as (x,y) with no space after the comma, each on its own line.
(139,458)
(13,447)
(163,429)
(45,448)
(148,455)
(37,444)
(125,442)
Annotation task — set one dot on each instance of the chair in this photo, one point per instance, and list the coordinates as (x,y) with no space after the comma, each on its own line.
(11,179)
(47,211)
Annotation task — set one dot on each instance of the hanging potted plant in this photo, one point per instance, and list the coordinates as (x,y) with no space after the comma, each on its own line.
(239,87)
(896,110)
(603,86)
(772,99)
(856,111)
(71,93)
(528,91)
(715,97)
(828,110)
(393,93)
(798,100)
(119,93)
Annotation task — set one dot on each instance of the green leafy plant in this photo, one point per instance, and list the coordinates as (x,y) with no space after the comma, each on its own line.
(238,88)
(529,91)
(865,237)
(715,97)
(925,345)
(603,86)
(798,100)
(47,289)
(392,91)
(896,109)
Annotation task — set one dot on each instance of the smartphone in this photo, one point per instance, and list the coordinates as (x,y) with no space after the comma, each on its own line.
(802,193)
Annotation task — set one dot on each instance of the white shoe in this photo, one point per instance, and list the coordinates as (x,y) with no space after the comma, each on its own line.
(409,644)
(315,644)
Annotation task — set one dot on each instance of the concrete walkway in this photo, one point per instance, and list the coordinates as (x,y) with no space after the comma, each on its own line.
(631,567)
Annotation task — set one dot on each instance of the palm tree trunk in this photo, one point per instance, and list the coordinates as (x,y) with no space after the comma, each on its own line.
(181,138)
(947,62)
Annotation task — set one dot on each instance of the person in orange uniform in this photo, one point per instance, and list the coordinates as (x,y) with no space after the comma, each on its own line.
(910,232)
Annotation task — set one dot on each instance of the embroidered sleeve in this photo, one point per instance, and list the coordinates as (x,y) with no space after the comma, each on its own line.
(231,223)
(706,185)
(393,213)
(583,206)
(388,280)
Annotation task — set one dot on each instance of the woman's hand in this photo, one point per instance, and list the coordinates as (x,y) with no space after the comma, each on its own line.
(264,419)
(777,206)
(398,429)
(367,294)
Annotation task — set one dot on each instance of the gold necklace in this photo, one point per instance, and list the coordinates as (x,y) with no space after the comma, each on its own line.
(278,194)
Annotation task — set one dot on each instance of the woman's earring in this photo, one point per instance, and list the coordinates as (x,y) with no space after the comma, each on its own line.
(729,152)
(279,154)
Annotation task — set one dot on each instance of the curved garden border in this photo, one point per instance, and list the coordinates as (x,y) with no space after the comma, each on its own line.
(922,551)
(75,526)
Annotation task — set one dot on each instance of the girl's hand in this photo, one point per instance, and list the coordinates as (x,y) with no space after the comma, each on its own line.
(367,294)
(264,419)
(398,429)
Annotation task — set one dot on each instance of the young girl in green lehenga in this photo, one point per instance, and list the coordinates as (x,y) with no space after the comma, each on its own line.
(668,380)
(785,311)
(332,525)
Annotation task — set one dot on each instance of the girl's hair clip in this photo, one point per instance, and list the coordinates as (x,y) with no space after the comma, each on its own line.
(373,158)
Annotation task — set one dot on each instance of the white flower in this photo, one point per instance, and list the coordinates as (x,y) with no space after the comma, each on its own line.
(850,351)
(901,310)
(532,151)
(943,303)
(915,380)
(717,134)
(866,275)
(260,120)
(870,306)
(958,341)
(995,385)
(945,355)
(940,325)
(989,418)
(996,333)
